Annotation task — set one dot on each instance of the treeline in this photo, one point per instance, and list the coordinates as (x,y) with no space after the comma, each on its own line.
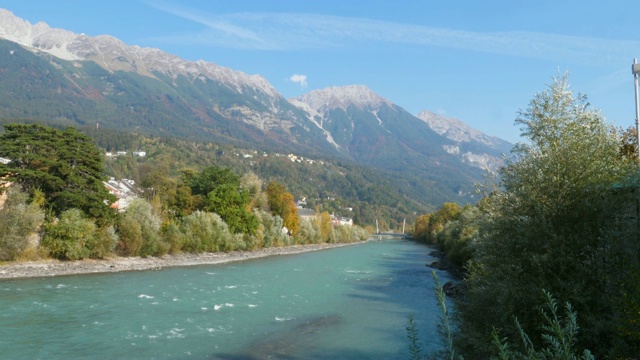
(551,253)
(338,187)
(57,205)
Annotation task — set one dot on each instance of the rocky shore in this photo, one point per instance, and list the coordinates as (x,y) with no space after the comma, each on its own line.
(48,268)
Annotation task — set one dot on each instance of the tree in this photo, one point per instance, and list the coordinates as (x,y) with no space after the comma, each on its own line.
(65,165)
(563,222)
(210,178)
(629,145)
(231,204)
(281,203)
(323,224)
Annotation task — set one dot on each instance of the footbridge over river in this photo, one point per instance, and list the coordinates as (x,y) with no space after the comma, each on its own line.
(390,236)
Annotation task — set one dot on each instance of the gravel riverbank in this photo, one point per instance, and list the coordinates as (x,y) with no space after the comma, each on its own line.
(48,268)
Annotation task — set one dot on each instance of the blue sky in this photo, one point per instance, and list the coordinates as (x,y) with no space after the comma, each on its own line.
(478,61)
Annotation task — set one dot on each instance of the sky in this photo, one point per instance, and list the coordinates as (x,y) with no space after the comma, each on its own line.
(478,61)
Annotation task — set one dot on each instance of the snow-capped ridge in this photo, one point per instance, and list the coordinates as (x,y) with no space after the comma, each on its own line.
(341,97)
(113,55)
(455,129)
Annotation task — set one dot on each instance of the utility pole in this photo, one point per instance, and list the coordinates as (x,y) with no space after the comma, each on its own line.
(635,69)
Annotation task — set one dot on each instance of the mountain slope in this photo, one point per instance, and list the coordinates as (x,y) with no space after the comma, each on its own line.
(373,131)
(471,145)
(146,89)
(59,77)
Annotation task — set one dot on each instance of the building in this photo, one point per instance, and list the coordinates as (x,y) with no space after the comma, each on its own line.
(125,190)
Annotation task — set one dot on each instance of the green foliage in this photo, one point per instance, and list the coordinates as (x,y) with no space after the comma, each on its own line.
(139,229)
(173,236)
(564,222)
(270,232)
(428,226)
(559,337)
(332,185)
(444,324)
(347,234)
(106,240)
(307,234)
(206,232)
(453,229)
(211,178)
(65,165)
(412,335)
(230,203)
(18,219)
(73,237)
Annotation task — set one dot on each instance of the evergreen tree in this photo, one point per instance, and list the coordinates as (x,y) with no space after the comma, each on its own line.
(65,165)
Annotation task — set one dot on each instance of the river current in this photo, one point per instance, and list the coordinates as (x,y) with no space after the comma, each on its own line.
(351,302)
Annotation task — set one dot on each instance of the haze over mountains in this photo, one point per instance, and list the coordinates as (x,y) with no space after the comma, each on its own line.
(58,76)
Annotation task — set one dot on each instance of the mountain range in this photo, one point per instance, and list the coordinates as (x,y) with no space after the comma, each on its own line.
(64,78)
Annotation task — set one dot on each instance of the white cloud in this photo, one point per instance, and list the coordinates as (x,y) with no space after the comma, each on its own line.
(301,79)
(294,31)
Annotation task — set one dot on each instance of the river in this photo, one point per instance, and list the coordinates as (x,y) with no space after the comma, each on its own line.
(350,302)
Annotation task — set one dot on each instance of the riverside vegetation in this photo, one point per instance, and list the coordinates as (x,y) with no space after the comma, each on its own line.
(58,206)
(560,226)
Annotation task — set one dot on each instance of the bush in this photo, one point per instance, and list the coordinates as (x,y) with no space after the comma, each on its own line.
(139,230)
(307,234)
(173,237)
(17,220)
(270,232)
(70,238)
(206,232)
(106,240)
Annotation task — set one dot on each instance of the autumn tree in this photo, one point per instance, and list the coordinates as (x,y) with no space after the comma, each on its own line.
(629,143)
(282,204)
(322,222)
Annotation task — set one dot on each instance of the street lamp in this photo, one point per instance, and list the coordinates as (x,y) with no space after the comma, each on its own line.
(635,69)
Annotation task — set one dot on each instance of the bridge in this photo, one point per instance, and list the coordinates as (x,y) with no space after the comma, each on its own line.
(390,236)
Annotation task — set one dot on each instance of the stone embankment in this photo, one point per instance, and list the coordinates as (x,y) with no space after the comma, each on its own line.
(48,268)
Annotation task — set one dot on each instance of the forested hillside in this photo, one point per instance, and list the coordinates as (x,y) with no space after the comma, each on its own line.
(335,186)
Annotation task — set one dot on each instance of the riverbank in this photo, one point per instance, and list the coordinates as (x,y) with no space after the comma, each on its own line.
(49,268)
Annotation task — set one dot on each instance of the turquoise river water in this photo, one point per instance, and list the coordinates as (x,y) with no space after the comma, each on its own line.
(344,303)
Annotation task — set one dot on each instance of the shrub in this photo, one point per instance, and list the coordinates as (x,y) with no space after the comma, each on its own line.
(270,229)
(307,234)
(70,238)
(17,220)
(139,230)
(205,232)
(173,237)
(106,240)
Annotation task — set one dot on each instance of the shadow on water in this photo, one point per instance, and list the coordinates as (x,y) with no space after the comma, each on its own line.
(405,287)
(407,284)
(294,343)
(408,276)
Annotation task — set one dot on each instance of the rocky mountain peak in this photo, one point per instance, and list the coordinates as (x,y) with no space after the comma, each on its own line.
(341,97)
(39,36)
(456,130)
(113,55)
